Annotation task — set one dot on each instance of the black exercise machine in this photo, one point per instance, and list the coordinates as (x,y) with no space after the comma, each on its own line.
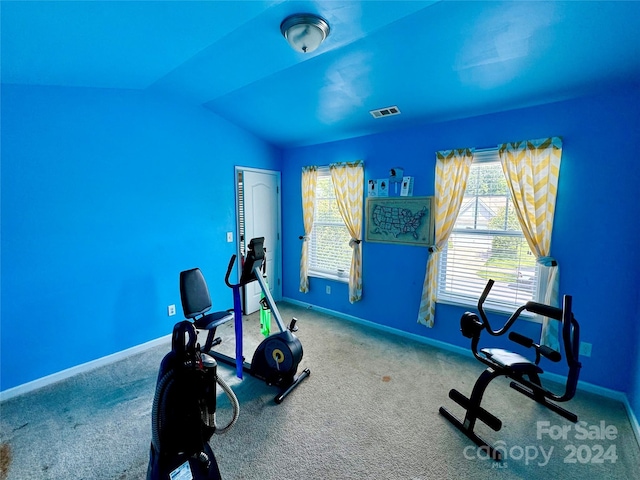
(524,372)
(184,409)
(277,357)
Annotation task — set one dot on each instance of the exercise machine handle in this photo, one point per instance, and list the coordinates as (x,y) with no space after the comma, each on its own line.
(485,320)
(543,350)
(481,300)
(545,310)
(521,339)
(229,268)
(549,353)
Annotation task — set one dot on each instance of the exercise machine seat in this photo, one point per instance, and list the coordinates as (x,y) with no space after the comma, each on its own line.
(510,360)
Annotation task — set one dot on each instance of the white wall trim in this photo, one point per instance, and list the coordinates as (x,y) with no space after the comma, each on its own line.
(82,368)
(584,386)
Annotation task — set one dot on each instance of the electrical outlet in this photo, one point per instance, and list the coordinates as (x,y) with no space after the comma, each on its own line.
(171,310)
(328,290)
(585,349)
(229,237)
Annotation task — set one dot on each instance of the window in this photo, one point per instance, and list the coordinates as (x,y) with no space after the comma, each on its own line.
(329,250)
(487,242)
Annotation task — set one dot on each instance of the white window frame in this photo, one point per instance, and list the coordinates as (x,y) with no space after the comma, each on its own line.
(318,271)
(459,298)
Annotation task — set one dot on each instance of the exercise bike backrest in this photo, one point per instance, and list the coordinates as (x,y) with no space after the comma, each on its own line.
(471,327)
(194,293)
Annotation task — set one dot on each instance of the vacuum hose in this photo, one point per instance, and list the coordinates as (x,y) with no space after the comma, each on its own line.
(234,404)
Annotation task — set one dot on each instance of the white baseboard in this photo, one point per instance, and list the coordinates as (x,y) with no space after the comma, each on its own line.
(82,368)
(584,386)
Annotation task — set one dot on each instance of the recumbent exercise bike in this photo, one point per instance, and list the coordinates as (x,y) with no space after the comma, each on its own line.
(277,357)
(524,372)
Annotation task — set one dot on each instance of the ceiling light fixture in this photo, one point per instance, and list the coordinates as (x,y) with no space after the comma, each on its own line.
(304,31)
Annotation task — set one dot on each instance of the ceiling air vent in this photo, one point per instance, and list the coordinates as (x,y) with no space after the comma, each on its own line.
(385,112)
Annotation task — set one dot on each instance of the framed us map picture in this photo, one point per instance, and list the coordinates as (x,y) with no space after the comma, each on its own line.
(401,220)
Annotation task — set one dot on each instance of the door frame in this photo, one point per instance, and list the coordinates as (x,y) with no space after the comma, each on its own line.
(277,288)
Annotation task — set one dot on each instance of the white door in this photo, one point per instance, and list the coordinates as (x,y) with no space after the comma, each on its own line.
(260,203)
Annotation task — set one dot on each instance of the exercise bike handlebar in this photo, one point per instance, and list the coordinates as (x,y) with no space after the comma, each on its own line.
(229,268)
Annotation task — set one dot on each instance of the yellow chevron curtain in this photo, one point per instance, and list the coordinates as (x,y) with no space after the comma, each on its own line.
(452,171)
(309,179)
(348,184)
(532,168)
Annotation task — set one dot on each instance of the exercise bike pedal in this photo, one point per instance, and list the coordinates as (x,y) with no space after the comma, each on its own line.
(292,325)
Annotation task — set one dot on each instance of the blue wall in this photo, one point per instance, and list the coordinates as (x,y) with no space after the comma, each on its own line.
(595,236)
(106,196)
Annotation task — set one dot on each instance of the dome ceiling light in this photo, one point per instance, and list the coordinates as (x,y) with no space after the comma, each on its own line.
(304,31)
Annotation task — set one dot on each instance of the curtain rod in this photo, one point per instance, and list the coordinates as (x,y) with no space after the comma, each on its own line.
(486,149)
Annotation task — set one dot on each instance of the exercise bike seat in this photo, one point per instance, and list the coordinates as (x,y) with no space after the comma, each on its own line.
(510,360)
(213,320)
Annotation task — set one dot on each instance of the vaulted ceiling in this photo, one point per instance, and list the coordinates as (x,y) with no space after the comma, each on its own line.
(435,60)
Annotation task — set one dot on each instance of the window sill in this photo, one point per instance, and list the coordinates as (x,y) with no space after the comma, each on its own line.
(531,317)
(329,276)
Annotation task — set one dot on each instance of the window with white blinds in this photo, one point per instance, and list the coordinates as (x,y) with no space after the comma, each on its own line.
(329,250)
(487,242)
